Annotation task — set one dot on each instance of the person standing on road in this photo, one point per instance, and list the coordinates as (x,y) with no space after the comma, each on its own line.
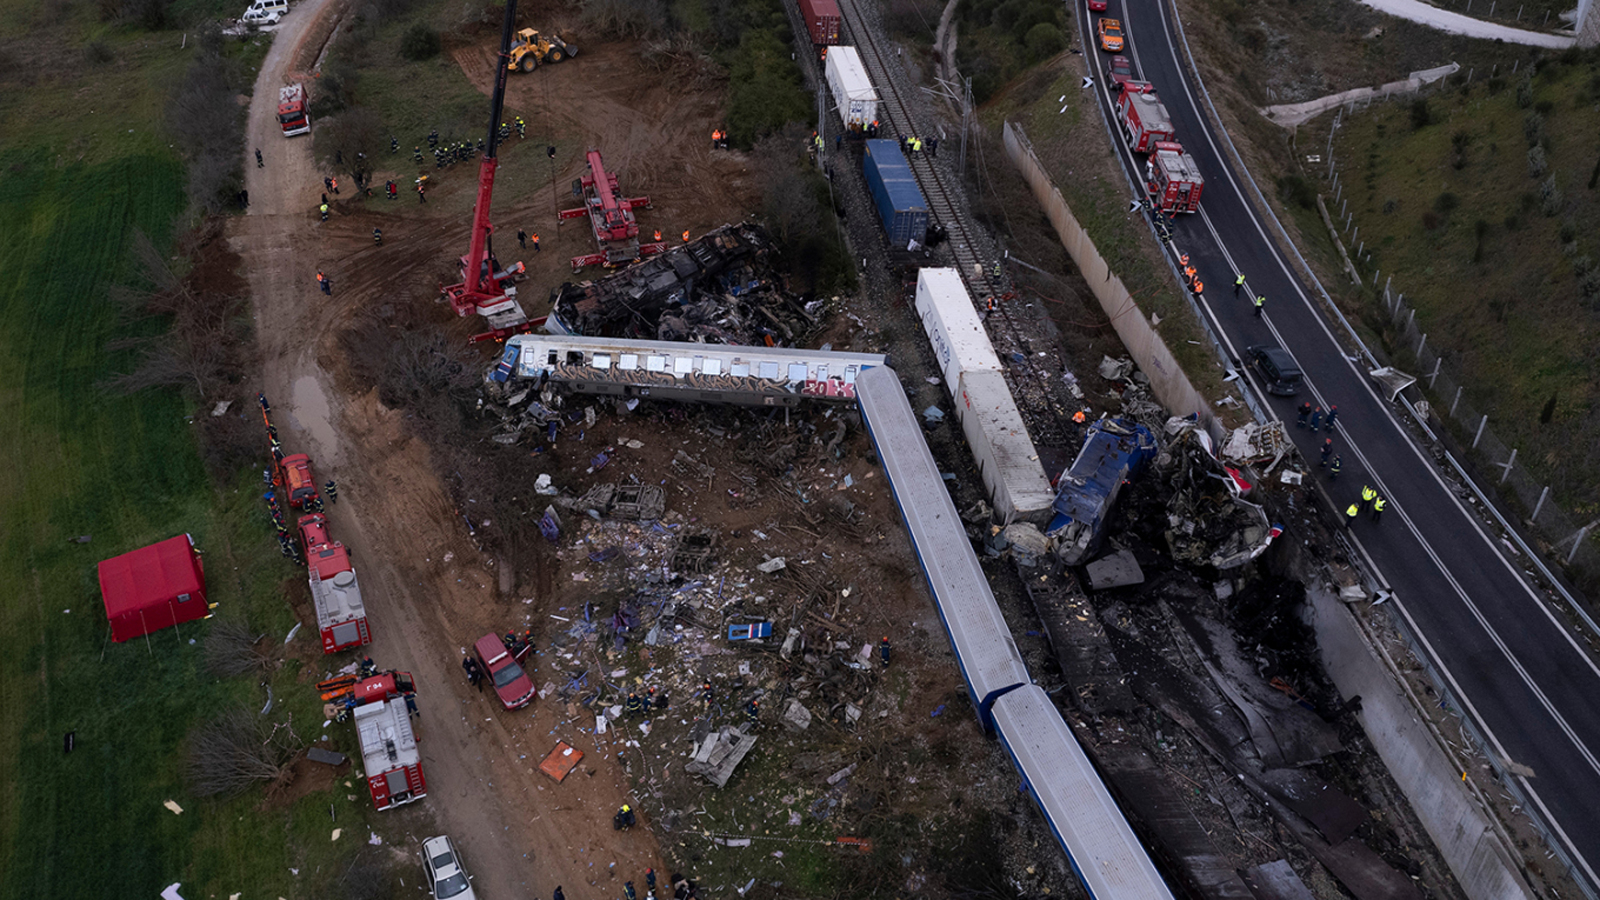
(1316,420)
(535,239)
(883,651)
(1368,495)
(1327,452)
(1378,504)
(522,239)
(1305,411)
(323,210)
(1350,514)
(1333,413)
(558,895)
(1335,467)
(752,712)
(933,147)
(1238,284)
(331,491)
(1261,304)
(377,236)
(325,284)
(260,164)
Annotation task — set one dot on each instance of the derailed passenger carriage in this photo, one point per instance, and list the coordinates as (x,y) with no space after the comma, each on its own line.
(1081,813)
(985,652)
(672,370)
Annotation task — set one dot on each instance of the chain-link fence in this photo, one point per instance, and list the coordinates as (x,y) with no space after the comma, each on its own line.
(1565,539)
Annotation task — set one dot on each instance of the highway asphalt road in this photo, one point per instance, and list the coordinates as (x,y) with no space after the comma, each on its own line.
(1507,659)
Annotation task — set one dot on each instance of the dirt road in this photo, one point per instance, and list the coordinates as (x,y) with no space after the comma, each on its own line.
(428,591)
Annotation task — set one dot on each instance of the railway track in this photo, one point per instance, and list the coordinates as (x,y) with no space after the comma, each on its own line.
(1047,418)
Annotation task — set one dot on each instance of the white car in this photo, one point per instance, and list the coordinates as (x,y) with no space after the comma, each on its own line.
(442,864)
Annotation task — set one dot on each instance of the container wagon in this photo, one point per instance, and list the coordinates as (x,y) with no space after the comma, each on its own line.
(895,193)
(1012,476)
(822,20)
(1007,461)
(853,94)
(960,343)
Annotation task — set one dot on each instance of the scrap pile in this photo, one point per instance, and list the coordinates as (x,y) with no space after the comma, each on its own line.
(719,289)
(1208,523)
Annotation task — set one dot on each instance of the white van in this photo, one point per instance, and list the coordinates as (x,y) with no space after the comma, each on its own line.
(265,12)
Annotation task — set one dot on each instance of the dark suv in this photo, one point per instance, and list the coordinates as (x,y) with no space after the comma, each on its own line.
(1277,368)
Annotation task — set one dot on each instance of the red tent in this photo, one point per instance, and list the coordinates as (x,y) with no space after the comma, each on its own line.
(154,587)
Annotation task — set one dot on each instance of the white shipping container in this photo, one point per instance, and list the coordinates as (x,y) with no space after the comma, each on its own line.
(960,343)
(1012,475)
(856,99)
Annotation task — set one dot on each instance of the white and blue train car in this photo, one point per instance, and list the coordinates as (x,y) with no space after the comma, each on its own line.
(985,652)
(1103,850)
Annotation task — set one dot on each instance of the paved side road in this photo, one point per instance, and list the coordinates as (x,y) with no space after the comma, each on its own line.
(1455,23)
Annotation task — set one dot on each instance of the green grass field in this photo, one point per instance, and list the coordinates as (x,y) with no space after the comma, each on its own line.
(76,460)
(1450,210)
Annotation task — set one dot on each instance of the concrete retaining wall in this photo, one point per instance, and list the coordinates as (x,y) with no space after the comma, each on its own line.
(1460,828)
(1167,381)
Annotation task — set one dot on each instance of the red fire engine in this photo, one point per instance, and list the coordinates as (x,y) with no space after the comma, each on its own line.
(1173,179)
(292,113)
(335,593)
(1144,120)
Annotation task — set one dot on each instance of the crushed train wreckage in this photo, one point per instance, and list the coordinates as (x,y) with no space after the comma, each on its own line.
(1208,520)
(721,288)
(1115,451)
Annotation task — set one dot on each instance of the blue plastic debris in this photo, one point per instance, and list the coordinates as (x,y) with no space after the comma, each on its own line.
(937,710)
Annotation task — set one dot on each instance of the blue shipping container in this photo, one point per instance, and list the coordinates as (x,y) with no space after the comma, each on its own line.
(895,192)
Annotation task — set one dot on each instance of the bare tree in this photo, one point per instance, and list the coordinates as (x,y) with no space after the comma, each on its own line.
(352,141)
(626,18)
(789,199)
(207,122)
(204,348)
(232,648)
(237,750)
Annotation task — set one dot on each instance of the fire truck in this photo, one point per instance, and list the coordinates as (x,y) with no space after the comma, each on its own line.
(1173,179)
(382,706)
(292,113)
(335,593)
(1144,120)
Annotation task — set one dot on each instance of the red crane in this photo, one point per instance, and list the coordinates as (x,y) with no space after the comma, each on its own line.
(616,231)
(485,288)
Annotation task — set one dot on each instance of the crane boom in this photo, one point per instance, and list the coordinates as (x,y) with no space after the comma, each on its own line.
(483,290)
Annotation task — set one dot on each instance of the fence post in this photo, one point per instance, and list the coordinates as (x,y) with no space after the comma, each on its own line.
(1437,362)
(1386,285)
(1420,344)
(1507,466)
(1411,319)
(1353,235)
(1540,505)
(1342,205)
(1479,436)
(1455,401)
(1578,542)
(1360,247)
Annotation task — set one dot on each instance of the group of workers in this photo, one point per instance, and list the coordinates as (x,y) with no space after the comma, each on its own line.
(719,138)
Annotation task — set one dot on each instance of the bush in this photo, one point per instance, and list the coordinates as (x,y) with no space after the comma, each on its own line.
(1446,203)
(1044,40)
(1533,128)
(1525,92)
(1537,162)
(97,52)
(419,43)
(1550,198)
(1512,223)
(1295,190)
(206,121)
(1421,115)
